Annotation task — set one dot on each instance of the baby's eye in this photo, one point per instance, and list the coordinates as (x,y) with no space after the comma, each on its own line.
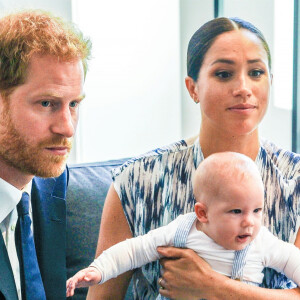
(45,103)
(257,210)
(236,211)
(223,74)
(256,73)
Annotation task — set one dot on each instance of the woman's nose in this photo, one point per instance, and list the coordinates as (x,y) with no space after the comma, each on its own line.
(242,87)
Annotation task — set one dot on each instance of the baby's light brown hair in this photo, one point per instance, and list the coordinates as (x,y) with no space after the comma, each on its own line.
(220,170)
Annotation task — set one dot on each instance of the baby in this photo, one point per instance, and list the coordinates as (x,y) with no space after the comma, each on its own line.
(224,229)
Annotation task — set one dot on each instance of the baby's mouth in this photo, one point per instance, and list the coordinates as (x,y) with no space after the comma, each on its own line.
(243,238)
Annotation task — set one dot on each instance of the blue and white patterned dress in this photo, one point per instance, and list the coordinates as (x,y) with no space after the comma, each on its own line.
(157,187)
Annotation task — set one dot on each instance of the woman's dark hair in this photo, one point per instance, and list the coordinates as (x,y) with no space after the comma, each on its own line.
(203,38)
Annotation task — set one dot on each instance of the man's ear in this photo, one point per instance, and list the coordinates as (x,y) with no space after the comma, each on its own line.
(201,212)
(271,78)
(1,103)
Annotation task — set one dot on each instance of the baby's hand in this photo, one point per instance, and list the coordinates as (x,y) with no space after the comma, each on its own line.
(84,278)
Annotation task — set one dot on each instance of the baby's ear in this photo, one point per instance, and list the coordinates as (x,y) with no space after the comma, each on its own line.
(201,212)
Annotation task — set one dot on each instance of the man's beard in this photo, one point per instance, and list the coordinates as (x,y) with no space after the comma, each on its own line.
(31,159)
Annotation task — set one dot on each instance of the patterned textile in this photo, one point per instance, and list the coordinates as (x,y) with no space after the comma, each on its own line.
(157,187)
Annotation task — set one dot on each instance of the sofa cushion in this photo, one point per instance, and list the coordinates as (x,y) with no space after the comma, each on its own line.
(87,189)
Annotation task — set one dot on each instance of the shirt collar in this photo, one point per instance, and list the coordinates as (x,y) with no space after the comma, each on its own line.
(10,197)
(27,188)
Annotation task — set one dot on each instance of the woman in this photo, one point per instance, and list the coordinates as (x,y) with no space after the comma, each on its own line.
(229,74)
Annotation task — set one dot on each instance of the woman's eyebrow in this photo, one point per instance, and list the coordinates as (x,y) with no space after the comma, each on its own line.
(224,61)
(253,61)
(231,62)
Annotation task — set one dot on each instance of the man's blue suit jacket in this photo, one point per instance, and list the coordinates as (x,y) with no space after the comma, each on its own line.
(49,221)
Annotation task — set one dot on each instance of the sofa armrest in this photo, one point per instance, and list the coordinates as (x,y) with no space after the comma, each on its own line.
(87,189)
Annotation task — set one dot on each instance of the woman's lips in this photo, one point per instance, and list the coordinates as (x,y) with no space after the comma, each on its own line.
(242,109)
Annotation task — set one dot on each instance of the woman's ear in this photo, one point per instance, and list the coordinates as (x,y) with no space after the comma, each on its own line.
(201,212)
(191,87)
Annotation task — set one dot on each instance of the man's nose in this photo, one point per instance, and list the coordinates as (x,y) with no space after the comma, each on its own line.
(64,122)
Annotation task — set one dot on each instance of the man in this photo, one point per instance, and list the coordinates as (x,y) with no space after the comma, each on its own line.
(43,62)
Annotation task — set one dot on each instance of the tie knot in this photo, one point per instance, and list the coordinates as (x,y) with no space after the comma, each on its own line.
(23,205)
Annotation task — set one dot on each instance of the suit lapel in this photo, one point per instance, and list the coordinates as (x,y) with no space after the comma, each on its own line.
(7,281)
(49,219)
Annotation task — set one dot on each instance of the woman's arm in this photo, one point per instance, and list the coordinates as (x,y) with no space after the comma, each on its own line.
(297,241)
(114,228)
(190,277)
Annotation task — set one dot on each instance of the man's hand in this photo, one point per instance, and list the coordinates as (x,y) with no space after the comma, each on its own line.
(185,275)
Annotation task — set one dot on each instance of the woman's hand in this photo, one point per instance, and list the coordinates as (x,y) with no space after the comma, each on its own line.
(185,275)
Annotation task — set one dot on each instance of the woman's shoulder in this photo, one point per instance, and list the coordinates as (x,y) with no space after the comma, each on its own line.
(163,155)
(286,161)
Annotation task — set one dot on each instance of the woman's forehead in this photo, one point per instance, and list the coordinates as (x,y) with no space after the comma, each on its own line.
(237,43)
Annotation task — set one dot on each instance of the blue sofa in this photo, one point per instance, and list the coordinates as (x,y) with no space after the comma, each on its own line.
(88,186)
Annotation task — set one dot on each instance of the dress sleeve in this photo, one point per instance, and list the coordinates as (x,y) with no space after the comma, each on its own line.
(135,252)
(124,182)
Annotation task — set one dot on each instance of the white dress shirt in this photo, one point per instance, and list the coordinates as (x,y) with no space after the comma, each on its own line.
(9,198)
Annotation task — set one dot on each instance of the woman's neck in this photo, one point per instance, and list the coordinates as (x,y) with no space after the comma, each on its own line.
(212,142)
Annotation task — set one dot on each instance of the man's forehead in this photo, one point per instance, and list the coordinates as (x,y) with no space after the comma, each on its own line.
(48,67)
(36,58)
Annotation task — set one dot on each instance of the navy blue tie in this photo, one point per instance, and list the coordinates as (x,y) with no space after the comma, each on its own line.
(31,280)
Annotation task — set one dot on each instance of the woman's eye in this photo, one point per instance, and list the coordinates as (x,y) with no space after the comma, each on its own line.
(223,74)
(46,103)
(236,211)
(256,73)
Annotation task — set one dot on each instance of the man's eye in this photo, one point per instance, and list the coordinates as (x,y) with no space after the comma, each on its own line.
(256,73)
(73,104)
(236,211)
(46,103)
(223,74)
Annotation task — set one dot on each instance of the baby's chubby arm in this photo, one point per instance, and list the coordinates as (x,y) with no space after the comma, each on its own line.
(124,256)
(282,256)
(135,252)
(84,278)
